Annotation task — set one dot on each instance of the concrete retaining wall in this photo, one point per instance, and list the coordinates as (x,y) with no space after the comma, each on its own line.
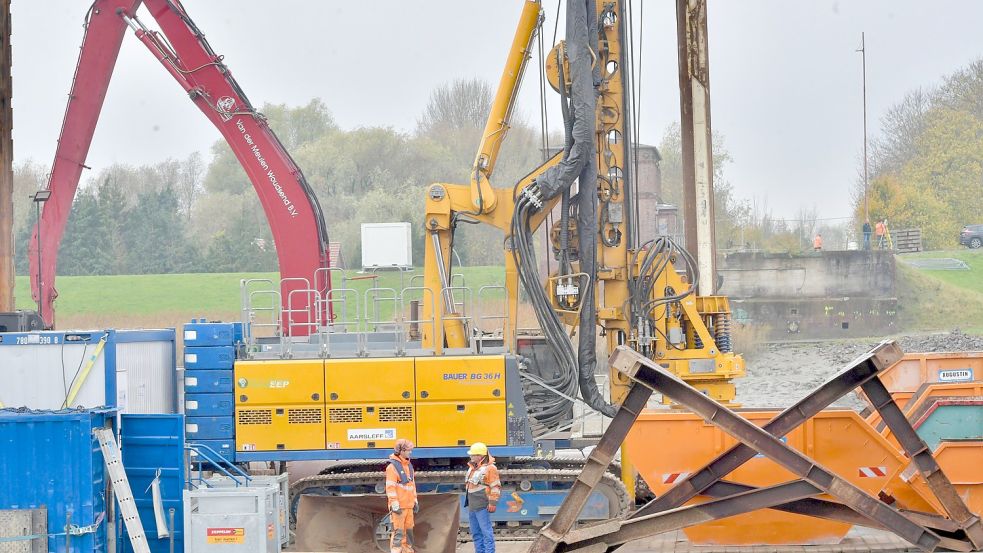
(835,274)
(815,295)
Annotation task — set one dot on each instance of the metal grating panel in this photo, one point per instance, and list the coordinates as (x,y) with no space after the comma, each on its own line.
(256,416)
(937,263)
(304,416)
(395,414)
(345,414)
(24,522)
(150,381)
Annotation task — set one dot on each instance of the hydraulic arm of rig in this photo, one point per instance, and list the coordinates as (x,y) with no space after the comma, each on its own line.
(291,207)
(640,290)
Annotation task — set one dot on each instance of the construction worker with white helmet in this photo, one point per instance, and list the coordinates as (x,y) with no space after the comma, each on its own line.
(482,490)
(401,494)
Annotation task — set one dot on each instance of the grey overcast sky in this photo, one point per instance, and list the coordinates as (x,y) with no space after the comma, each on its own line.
(785,75)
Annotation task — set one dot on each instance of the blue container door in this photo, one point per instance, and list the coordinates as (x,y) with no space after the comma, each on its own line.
(152,443)
(53,460)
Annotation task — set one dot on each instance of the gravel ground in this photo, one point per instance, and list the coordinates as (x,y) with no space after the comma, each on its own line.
(779,374)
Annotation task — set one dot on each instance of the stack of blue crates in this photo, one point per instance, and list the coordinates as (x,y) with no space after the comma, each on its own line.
(209,402)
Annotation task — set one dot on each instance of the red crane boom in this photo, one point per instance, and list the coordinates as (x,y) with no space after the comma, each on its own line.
(292,210)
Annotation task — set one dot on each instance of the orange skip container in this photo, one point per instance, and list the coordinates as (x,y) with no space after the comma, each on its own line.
(666,445)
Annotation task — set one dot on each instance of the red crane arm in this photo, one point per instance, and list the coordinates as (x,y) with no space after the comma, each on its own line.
(291,207)
(100,47)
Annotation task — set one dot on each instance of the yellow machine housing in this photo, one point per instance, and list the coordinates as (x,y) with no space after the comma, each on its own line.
(368,403)
(460,400)
(279,405)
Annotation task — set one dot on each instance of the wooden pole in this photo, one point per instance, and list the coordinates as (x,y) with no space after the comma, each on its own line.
(6,165)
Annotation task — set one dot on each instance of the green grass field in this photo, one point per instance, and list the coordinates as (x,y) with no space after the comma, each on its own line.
(941,300)
(928,299)
(970,280)
(171,300)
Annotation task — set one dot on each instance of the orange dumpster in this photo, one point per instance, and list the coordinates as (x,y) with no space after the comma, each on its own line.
(667,445)
(962,462)
(937,411)
(915,369)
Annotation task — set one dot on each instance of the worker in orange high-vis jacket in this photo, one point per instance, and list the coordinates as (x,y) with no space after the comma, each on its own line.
(401,494)
(483,488)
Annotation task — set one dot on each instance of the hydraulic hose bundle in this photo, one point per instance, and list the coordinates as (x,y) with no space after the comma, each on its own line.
(658,253)
(549,399)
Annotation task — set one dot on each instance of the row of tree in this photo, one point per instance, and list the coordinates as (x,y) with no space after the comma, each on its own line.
(927,164)
(192,216)
(189,216)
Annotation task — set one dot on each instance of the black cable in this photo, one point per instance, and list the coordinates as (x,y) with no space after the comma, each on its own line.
(544,119)
(545,407)
(556,23)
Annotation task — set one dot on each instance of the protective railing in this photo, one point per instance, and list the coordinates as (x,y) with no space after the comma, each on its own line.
(489,322)
(376,299)
(201,457)
(421,295)
(290,317)
(300,314)
(344,305)
(260,308)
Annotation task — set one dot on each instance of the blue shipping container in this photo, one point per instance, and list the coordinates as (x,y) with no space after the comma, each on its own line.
(52,459)
(209,428)
(212,334)
(209,405)
(208,382)
(212,358)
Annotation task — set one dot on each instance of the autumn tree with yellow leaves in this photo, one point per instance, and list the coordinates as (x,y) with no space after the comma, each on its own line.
(927,162)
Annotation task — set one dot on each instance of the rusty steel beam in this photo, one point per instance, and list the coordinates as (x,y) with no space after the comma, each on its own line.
(604,536)
(649,373)
(594,469)
(819,508)
(831,510)
(861,370)
(921,456)
(6,164)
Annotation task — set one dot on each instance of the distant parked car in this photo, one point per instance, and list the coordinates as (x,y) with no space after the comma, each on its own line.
(972,236)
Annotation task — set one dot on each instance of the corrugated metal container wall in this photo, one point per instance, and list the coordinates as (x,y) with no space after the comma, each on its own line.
(52,459)
(150,367)
(38,369)
(133,370)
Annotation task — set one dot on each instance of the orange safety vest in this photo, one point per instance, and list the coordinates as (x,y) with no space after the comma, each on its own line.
(482,484)
(879,229)
(817,242)
(400,483)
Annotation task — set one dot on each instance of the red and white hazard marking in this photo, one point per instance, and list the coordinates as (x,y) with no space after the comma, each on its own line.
(673,477)
(872,472)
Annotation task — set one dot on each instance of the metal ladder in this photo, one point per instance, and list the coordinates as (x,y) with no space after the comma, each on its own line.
(121,489)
